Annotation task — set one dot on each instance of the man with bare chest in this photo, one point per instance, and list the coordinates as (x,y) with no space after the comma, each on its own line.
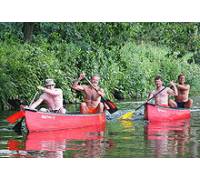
(182,99)
(52,96)
(92,95)
(161,94)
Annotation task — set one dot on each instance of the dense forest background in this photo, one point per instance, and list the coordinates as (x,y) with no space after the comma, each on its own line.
(126,55)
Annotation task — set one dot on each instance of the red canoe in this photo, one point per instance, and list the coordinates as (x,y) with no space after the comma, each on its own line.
(40,121)
(154,113)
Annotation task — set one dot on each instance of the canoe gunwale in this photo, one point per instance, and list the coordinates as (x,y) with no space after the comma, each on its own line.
(66,114)
(182,109)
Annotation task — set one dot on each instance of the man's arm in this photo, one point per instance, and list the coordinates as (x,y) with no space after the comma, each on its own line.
(183,87)
(76,85)
(53,92)
(36,103)
(173,91)
(101,92)
(150,95)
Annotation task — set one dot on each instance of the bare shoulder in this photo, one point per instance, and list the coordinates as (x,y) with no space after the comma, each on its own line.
(187,85)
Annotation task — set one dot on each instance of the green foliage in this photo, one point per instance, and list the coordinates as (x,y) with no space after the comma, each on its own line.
(126,55)
(141,63)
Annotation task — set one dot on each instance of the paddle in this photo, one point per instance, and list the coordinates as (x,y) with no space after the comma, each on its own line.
(33,98)
(129,115)
(19,114)
(14,117)
(109,103)
(18,125)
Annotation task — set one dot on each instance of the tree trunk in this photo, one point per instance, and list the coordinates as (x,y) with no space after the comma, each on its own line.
(28,31)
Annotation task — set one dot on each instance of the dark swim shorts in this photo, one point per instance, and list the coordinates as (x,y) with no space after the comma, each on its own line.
(180,104)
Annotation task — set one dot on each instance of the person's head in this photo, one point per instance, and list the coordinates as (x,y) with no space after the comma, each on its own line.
(49,83)
(95,79)
(181,78)
(158,81)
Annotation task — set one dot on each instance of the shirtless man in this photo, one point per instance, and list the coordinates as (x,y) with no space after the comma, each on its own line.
(162,98)
(182,100)
(52,96)
(92,99)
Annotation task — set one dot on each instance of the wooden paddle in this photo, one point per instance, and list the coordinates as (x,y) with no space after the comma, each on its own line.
(112,107)
(129,115)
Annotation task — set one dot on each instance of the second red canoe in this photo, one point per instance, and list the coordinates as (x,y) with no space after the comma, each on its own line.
(154,113)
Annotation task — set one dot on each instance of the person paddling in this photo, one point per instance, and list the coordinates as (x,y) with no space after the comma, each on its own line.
(92,98)
(162,98)
(182,99)
(52,96)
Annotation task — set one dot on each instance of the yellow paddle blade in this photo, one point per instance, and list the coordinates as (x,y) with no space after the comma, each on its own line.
(127,123)
(128,115)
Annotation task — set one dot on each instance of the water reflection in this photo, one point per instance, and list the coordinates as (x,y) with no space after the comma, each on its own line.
(83,142)
(121,139)
(168,139)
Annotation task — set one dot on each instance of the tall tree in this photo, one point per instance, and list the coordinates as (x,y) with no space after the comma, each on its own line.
(28,30)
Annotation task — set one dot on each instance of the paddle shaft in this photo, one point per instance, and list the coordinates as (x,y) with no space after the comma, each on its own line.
(33,98)
(18,125)
(151,98)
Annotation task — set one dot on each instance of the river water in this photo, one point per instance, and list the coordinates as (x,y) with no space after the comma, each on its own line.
(120,139)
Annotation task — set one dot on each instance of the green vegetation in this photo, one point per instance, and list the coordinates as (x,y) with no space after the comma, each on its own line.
(126,55)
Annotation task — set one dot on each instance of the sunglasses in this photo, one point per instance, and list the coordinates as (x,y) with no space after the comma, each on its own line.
(50,85)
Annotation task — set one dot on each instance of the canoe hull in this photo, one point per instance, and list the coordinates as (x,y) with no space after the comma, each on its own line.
(40,121)
(155,113)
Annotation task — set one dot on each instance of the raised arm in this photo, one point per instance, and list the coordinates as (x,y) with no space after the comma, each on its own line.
(76,85)
(53,92)
(174,91)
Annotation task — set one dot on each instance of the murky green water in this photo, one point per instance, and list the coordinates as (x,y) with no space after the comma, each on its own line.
(120,139)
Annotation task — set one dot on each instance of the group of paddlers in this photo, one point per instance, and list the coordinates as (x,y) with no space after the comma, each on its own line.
(54,96)
(93,93)
(179,90)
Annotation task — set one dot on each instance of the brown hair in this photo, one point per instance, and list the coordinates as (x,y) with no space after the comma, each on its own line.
(157,78)
(180,75)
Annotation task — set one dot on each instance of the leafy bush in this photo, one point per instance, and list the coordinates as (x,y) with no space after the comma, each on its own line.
(141,63)
(126,55)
